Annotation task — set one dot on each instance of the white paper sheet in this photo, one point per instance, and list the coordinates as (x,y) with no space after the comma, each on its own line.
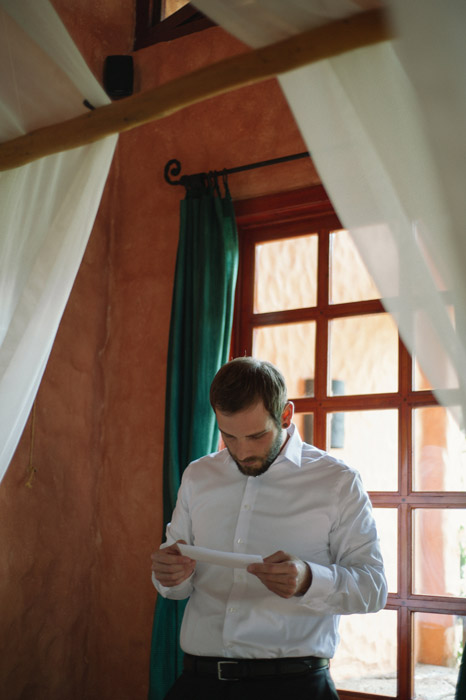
(212,556)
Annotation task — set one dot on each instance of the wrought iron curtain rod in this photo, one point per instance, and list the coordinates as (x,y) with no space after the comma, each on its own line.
(173,168)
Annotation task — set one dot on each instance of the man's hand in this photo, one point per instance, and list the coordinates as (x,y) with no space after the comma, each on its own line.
(283,574)
(170,567)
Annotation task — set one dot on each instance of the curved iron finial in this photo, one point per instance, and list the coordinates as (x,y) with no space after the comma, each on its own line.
(173,167)
(195,184)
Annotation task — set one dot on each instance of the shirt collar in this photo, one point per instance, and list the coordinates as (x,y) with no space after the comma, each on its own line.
(293,448)
(290,453)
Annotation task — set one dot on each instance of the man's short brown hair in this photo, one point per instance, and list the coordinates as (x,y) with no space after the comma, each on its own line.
(244,381)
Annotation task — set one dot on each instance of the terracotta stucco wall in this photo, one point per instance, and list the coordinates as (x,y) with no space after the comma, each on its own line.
(76,600)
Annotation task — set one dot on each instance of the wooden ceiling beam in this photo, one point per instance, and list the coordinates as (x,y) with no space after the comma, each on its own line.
(252,67)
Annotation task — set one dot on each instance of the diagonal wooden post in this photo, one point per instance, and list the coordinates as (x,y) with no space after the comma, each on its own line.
(314,45)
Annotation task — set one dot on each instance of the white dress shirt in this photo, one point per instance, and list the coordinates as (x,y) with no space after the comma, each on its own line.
(307,504)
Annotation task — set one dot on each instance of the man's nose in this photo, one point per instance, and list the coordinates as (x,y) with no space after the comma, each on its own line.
(244,451)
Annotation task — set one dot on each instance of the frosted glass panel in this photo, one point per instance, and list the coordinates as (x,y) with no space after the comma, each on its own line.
(439,551)
(364,353)
(439,451)
(286,274)
(169,7)
(420,381)
(349,277)
(442,374)
(305,424)
(291,347)
(366,657)
(438,641)
(368,443)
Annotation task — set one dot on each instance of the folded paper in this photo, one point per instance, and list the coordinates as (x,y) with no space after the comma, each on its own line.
(212,556)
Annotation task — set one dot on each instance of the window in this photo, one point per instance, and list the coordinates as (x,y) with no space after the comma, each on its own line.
(306,302)
(165,20)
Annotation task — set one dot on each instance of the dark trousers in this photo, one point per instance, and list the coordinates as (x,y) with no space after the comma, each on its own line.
(313,685)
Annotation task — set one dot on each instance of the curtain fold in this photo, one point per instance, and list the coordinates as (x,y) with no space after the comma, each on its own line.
(384,126)
(200,329)
(47,208)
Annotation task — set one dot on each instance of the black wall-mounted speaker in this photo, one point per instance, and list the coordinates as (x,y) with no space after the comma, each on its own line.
(118,76)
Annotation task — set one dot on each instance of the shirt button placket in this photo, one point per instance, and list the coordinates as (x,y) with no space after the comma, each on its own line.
(233,607)
(244,516)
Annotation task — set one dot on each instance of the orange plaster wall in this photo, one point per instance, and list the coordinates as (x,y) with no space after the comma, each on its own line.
(49,532)
(76,597)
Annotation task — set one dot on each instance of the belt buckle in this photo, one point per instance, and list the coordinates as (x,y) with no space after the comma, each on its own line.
(219,670)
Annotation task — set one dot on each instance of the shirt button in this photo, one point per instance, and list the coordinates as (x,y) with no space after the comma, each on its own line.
(232,610)
(239,540)
(246,507)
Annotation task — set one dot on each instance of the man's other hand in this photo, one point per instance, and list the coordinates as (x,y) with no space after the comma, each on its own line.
(283,574)
(170,567)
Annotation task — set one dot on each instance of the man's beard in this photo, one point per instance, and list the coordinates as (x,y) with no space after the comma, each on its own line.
(262,464)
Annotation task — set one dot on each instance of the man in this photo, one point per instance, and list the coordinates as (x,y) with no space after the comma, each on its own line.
(272,627)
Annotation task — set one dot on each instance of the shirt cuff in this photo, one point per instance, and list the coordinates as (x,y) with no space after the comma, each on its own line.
(321,586)
(182,590)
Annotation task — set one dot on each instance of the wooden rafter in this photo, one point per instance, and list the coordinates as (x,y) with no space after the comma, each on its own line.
(314,45)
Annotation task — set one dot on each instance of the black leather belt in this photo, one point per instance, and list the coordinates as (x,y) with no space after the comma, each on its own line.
(237,669)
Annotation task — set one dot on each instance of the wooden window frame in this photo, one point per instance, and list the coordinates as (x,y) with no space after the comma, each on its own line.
(301,212)
(151,28)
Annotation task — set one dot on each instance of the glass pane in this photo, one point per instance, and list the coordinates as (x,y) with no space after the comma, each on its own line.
(364,353)
(440,551)
(291,347)
(286,274)
(435,349)
(169,7)
(420,381)
(349,277)
(366,657)
(387,528)
(439,451)
(365,439)
(305,424)
(438,644)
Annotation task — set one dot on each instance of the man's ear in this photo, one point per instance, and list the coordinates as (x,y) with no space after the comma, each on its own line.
(287,415)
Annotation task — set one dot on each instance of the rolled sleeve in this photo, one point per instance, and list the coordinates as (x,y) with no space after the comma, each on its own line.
(355,582)
(178,529)
(180,592)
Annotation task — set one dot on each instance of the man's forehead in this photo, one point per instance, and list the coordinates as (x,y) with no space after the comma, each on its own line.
(249,421)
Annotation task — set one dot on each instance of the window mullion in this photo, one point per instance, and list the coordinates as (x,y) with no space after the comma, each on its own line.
(321,350)
(405,658)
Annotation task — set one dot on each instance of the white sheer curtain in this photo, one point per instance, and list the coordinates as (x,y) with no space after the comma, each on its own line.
(47,208)
(385,126)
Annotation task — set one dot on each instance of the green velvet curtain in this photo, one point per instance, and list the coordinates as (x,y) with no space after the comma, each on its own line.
(201,318)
